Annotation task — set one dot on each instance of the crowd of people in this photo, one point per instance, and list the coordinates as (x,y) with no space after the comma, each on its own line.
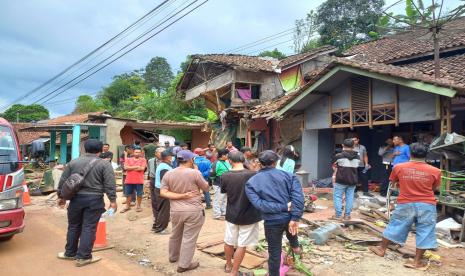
(247,189)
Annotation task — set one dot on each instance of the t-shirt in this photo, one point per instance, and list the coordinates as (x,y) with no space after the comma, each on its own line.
(404,155)
(220,168)
(105,155)
(135,177)
(149,151)
(239,209)
(362,151)
(288,165)
(416,182)
(161,170)
(182,180)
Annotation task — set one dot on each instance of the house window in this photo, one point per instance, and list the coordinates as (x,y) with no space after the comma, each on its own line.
(248,91)
(362,111)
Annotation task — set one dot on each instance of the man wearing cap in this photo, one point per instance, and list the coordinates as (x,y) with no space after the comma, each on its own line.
(278,195)
(181,186)
(162,209)
(204,166)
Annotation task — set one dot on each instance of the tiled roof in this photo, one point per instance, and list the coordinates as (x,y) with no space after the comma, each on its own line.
(242,62)
(268,109)
(78,118)
(290,60)
(26,137)
(410,43)
(451,67)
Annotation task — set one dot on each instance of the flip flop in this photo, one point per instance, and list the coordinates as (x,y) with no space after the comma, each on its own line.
(139,210)
(421,268)
(227,269)
(125,210)
(376,251)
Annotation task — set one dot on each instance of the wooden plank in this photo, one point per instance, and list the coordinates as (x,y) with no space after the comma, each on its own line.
(210,85)
(351,120)
(370,103)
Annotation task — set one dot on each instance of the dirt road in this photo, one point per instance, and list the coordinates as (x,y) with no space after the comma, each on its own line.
(34,252)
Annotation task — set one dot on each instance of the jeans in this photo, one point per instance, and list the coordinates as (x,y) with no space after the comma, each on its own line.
(84,213)
(385,183)
(340,190)
(423,215)
(208,200)
(363,179)
(274,237)
(219,202)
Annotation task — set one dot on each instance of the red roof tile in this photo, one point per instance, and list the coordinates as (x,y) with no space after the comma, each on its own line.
(410,43)
(242,62)
(291,60)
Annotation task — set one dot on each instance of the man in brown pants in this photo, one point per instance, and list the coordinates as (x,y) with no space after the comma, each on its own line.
(181,186)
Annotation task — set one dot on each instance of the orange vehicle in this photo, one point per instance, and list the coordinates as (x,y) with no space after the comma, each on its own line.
(11,183)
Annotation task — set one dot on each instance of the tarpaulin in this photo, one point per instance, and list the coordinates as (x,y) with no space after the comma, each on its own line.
(291,78)
(244,94)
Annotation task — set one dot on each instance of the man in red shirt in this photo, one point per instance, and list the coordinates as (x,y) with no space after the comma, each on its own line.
(135,167)
(417,182)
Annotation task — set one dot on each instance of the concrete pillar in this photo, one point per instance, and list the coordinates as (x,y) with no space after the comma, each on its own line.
(76,141)
(317,152)
(63,146)
(53,144)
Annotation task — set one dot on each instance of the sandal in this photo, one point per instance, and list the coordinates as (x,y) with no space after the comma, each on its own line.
(227,269)
(125,210)
(139,209)
(420,268)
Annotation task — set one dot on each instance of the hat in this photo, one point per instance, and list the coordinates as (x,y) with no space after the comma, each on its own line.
(185,155)
(199,151)
(268,157)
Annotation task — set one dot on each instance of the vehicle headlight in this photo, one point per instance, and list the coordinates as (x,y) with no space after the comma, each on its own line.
(8,204)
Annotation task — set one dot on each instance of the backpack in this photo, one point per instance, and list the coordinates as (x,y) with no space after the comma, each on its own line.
(73,183)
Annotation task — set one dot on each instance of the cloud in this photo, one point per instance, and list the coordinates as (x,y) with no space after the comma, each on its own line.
(38,39)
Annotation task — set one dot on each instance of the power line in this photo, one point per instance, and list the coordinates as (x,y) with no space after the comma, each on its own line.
(158,24)
(85,57)
(131,49)
(240,48)
(142,23)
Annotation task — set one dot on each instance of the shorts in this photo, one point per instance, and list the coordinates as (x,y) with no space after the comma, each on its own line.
(423,215)
(241,235)
(130,188)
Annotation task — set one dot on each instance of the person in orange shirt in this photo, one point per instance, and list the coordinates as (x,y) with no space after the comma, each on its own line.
(416,204)
(135,167)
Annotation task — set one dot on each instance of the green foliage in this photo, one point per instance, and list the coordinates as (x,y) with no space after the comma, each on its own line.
(305,34)
(274,53)
(122,90)
(26,113)
(158,74)
(86,104)
(343,23)
(185,64)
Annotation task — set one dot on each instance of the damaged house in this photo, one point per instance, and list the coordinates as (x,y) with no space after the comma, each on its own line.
(376,90)
(232,85)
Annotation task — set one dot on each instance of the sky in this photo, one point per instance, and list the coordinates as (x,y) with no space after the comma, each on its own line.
(38,39)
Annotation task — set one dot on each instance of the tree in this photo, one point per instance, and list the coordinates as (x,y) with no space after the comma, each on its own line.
(122,88)
(432,18)
(343,23)
(86,104)
(305,34)
(274,53)
(26,113)
(185,64)
(158,74)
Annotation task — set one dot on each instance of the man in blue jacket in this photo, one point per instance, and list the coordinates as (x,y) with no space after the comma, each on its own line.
(204,166)
(278,195)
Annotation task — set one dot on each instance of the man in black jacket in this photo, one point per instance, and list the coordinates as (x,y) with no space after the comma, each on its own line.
(345,178)
(86,207)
